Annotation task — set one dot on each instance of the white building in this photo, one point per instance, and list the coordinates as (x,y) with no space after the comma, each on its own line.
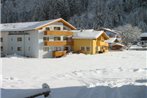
(35,39)
(143,39)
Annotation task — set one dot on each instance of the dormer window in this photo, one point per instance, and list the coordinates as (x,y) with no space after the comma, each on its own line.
(57,28)
(64,28)
(1,39)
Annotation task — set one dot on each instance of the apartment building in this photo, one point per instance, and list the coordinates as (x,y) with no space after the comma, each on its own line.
(43,39)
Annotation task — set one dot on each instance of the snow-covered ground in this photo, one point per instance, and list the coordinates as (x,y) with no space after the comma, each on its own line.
(109,75)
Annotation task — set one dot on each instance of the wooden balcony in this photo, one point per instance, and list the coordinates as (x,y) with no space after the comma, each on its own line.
(58,33)
(100,43)
(57,43)
(59,53)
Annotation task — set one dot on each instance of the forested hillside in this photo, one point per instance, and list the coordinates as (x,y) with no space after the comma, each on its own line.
(81,13)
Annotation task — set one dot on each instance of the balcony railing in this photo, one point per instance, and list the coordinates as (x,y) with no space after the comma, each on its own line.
(58,33)
(59,53)
(57,43)
(100,43)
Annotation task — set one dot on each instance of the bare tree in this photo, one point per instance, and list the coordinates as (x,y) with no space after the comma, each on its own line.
(129,33)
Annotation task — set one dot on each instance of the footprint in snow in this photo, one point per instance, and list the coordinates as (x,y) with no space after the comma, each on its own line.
(78,73)
(120,69)
(135,70)
(140,70)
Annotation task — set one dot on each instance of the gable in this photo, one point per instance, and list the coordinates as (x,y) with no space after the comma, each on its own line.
(103,36)
(60,20)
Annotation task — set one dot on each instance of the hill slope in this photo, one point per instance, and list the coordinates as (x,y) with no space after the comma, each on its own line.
(81,13)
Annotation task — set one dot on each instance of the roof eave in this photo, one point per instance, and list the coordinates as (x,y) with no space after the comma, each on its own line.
(57,20)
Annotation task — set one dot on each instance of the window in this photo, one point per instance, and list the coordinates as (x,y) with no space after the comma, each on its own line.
(57,39)
(19,39)
(57,28)
(51,48)
(65,38)
(47,28)
(51,39)
(45,48)
(11,48)
(45,38)
(29,38)
(69,39)
(19,49)
(88,48)
(1,39)
(83,48)
(66,48)
(1,48)
(58,48)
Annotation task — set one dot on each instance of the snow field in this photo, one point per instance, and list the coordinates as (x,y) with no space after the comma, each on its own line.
(109,75)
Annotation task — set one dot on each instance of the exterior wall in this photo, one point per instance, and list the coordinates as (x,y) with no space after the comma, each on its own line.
(102,46)
(35,46)
(52,45)
(34,43)
(78,43)
(96,45)
(4,44)
(29,46)
(58,24)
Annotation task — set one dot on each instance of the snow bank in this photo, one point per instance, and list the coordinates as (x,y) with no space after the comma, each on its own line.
(15,56)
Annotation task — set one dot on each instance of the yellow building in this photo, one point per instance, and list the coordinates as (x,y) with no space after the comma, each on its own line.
(90,42)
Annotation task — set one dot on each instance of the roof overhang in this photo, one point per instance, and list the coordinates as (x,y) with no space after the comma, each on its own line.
(105,36)
(58,20)
(93,37)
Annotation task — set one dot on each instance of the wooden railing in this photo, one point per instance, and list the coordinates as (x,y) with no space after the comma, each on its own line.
(57,43)
(58,33)
(59,53)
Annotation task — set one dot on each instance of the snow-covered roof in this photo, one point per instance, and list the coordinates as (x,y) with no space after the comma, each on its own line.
(118,44)
(22,26)
(143,34)
(29,25)
(107,29)
(111,40)
(88,34)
